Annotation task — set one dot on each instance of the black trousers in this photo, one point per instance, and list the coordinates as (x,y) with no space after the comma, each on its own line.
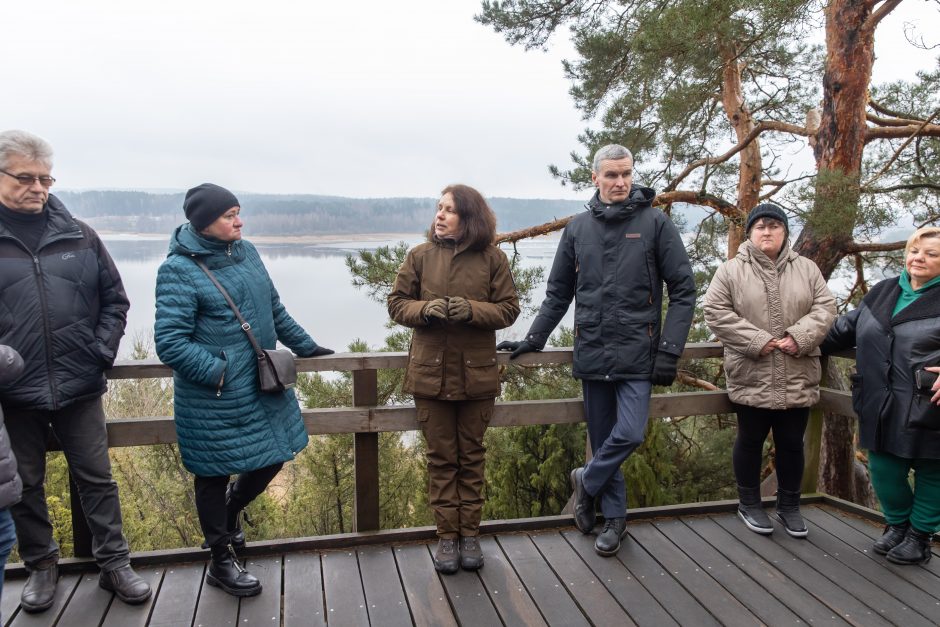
(80,429)
(788,426)
(210,500)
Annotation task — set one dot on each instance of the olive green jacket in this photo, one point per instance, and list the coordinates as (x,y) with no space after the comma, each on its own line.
(447,360)
(752,300)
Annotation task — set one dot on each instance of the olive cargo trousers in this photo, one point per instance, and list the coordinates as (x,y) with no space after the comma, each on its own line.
(454,433)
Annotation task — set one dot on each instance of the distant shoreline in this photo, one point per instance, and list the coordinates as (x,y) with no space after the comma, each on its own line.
(331,238)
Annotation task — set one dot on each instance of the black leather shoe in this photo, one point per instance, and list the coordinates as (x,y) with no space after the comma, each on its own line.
(39,592)
(893,536)
(752,513)
(584,512)
(125,584)
(227,573)
(609,540)
(788,513)
(914,549)
(447,556)
(471,555)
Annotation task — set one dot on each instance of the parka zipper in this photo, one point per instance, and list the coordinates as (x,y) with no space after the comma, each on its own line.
(48,332)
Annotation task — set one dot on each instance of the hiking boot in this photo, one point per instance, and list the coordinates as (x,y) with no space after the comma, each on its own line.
(913,549)
(752,512)
(471,555)
(584,511)
(892,536)
(788,513)
(125,584)
(608,541)
(39,592)
(447,557)
(227,573)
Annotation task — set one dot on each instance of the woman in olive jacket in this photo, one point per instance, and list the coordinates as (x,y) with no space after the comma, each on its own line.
(770,308)
(896,332)
(455,290)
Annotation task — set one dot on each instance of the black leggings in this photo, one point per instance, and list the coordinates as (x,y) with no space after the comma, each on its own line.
(754,424)
(210,499)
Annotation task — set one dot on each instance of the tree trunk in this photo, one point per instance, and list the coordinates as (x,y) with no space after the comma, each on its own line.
(840,142)
(749,174)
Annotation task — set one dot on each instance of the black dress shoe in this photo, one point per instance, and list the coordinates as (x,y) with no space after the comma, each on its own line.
(471,555)
(914,549)
(608,542)
(39,592)
(125,584)
(584,512)
(447,556)
(893,536)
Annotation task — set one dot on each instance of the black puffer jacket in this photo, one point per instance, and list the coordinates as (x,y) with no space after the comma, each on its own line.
(612,260)
(11,487)
(889,349)
(64,310)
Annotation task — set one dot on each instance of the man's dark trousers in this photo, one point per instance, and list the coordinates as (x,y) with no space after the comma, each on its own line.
(616,413)
(80,429)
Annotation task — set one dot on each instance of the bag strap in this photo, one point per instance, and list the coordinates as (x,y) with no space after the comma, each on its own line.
(231,303)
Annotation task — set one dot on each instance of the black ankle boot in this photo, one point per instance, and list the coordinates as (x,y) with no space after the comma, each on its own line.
(585,514)
(752,513)
(225,572)
(234,511)
(788,513)
(608,541)
(893,536)
(914,549)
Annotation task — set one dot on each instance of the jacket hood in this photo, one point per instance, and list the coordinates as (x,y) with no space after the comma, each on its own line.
(186,241)
(640,198)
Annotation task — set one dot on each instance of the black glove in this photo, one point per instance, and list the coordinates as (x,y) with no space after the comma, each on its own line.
(320,351)
(664,368)
(517,348)
(436,308)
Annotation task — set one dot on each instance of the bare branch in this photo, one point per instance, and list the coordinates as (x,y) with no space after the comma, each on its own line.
(874,119)
(897,153)
(899,188)
(687,379)
(880,13)
(883,110)
(760,127)
(853,248)
(897,132)
(533,231)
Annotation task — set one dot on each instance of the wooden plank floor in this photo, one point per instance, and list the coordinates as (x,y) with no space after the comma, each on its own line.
(691,570)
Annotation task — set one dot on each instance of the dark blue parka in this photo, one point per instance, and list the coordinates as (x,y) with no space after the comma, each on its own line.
(889,349)
(63,309)
(612,260)
(224,423)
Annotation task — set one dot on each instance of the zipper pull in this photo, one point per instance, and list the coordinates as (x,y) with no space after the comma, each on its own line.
(36,264)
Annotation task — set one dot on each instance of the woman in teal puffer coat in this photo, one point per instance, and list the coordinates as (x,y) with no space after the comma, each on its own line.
(224,424)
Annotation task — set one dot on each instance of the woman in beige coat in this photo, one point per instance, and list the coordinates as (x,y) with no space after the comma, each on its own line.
(771,309)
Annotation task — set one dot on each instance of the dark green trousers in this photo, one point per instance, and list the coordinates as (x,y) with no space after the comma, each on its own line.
(900,502)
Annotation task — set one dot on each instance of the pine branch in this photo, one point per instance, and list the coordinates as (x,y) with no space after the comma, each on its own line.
(880,13)
(882,109)
(900,187)
(897,153)
(853,248)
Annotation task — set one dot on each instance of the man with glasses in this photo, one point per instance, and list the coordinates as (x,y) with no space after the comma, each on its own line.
(63,308)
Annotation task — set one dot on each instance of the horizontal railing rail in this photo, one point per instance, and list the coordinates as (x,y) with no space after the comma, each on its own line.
(365,419)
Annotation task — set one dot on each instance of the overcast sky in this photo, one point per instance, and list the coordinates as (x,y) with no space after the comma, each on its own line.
(367,98)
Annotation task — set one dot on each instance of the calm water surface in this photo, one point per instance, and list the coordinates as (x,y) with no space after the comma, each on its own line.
(313,282)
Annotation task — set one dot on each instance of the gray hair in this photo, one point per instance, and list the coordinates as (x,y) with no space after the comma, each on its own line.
(610,151)
(23,144)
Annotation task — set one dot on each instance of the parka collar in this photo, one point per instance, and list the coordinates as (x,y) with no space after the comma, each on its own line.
(186,241)
(749,253)
(640,198)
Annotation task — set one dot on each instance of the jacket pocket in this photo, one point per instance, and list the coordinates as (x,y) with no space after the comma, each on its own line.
(425,372)
(587,339)
(481,375)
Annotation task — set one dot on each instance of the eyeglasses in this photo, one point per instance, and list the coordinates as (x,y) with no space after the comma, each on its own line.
(29,179)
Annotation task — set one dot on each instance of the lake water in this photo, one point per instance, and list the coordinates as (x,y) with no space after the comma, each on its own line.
(313,282)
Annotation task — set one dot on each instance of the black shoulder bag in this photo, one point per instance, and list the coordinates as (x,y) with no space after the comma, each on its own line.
(276,368)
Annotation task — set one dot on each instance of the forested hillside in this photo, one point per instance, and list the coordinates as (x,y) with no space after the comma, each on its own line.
(300,214)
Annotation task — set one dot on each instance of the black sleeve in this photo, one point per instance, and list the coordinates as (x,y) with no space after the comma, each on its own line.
(559,292)
(676,271)
(112,317)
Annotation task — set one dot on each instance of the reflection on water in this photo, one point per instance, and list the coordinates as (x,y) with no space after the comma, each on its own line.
(312,279)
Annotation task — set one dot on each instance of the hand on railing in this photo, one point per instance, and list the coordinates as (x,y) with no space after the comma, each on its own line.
(517,348)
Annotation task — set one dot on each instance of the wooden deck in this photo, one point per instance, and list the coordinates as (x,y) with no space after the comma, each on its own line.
(688,570)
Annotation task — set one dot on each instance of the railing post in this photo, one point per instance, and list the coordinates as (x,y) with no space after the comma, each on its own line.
(81,534)
(812,445)
(366,452)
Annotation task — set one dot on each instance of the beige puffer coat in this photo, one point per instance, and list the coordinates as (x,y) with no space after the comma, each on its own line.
(752,300)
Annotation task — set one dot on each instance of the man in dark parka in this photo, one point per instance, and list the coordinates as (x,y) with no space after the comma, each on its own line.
(63,308)
(612,260)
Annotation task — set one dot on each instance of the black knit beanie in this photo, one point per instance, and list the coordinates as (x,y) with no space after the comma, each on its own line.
(205,203)
(767,210)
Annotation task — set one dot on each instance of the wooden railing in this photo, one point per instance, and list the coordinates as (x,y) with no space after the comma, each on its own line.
(365,419)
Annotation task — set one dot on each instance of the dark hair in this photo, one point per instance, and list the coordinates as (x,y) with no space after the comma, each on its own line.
(477,220)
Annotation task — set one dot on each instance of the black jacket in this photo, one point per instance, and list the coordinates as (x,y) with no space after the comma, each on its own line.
(889,349)
(64,310)
(612,260)
(11,487)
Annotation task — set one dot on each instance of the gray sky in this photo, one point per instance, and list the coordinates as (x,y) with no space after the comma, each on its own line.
(367,98)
